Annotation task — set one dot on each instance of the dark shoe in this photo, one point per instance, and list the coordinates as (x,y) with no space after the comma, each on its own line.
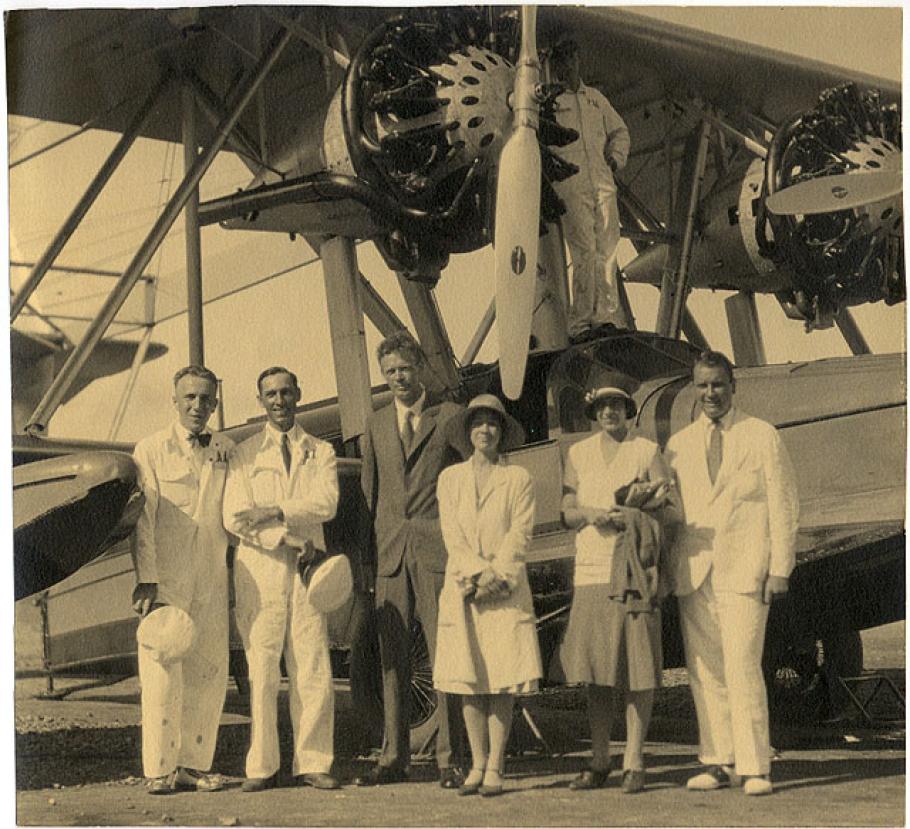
(259,784)
(318,780)
(471,788)
(633,781)
(190,780)
(491,789)
(380,776)
(161,785)
(590,779)
(711,778)
(450,778)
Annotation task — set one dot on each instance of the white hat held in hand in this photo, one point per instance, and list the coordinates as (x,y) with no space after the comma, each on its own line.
(167,633)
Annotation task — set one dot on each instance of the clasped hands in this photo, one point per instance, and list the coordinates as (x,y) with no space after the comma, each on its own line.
(488,586)
(254,517)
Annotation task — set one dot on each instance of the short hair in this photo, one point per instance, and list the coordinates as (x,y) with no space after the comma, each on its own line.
(276,370)
(403,342)
(714,359)
(196,371)
(564,49)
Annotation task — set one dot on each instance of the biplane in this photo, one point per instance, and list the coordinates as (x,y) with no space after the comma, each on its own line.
(430,132)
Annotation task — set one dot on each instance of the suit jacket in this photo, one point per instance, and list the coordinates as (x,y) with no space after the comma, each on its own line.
(744,525)
(400,491)
(180,543)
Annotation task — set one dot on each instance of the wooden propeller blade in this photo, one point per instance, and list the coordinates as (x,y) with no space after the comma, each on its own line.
(518,218)
(828,194)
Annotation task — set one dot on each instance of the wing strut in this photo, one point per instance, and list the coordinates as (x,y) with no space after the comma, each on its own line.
(37,426)
(43,265)
(673,287)
(196,338)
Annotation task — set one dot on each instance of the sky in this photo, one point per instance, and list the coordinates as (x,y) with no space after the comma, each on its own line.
(282,320)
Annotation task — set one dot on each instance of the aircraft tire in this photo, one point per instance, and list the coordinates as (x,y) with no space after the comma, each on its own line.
(423,711)
(802,676)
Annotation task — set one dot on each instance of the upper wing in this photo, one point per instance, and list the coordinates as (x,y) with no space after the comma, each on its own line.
(97,65)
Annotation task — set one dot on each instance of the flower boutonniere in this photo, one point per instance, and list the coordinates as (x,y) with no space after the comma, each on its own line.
(217,454)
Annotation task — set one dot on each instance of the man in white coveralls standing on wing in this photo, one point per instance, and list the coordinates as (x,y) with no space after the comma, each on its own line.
(591,220)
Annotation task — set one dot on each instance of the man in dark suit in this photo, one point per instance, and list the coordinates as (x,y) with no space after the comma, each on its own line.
(404,450)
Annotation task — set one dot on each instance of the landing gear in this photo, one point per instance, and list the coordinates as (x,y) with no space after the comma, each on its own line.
(802,675)
(422,702)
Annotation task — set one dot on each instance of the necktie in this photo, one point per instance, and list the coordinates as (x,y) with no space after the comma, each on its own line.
(407,431)
(715,451)
(286,452)
(203,439)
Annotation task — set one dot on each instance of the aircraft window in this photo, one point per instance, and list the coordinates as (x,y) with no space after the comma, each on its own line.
(639,355)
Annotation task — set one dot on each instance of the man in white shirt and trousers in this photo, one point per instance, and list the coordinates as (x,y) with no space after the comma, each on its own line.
(282,487)
(180,556)
(591,221)
(734,553)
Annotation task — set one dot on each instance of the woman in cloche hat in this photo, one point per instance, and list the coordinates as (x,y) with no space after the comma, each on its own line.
(613,637)
(487,648)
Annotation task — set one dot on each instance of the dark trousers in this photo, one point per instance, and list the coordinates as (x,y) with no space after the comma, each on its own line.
(413,590)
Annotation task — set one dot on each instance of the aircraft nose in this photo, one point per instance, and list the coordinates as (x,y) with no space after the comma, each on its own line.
(100,467)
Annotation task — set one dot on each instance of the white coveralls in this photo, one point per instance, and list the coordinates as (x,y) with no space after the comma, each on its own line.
(181,545)
(591,221)
(273,613)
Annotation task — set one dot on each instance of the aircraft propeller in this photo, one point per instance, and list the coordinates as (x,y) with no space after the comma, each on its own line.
(827,194)
(517,223)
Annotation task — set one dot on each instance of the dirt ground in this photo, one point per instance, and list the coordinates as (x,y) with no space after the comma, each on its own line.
(77,763)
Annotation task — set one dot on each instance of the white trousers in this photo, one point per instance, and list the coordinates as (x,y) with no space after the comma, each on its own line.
(724,635)
(274,616)
(182,701)
(592,232)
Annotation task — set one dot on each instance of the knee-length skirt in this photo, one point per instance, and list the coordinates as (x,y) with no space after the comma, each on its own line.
(604,644)
(487,648)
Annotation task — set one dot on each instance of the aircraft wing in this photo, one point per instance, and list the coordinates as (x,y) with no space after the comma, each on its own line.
(95,66)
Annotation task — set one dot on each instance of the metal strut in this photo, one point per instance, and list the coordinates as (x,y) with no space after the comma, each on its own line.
(43,265)
(676,275)
(62,382)
(193,242)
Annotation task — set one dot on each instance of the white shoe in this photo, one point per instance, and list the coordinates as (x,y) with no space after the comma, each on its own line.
(757,785)
(711,778)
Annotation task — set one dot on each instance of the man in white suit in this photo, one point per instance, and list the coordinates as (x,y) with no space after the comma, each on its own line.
(181,568)
(282,487)
(732,556)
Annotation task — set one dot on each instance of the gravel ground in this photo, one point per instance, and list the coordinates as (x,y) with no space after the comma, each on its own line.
(78,764)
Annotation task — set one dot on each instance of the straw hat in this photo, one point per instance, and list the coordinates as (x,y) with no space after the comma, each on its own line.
(609,383)
(457,428)
(328,580)
(167,633)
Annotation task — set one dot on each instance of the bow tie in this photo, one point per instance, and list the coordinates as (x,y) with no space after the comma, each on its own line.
(203,439)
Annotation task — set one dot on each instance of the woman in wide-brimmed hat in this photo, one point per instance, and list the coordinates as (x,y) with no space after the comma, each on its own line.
(613,637)
(486,641)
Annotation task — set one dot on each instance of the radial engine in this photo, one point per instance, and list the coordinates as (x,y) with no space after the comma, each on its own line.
(419,123)
(845,257)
